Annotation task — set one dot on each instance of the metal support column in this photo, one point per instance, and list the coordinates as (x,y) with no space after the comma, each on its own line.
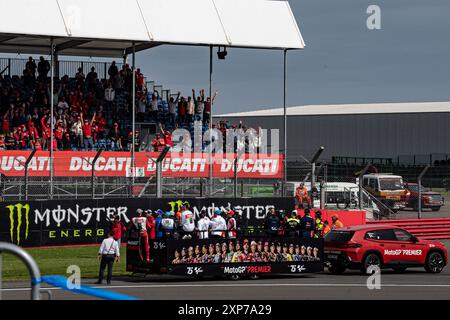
(52,72)
(210,121)
(133,119)
(419,186)
(26,172)
(94,161)
(235,175)
(360,182)
(283,187)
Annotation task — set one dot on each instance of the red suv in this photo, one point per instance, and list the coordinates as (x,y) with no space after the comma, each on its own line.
(385,246)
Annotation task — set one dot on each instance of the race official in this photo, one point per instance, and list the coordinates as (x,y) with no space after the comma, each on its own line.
(108,253)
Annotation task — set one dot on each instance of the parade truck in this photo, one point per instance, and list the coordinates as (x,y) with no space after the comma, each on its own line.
(387,188)
(242,257)
(249,252)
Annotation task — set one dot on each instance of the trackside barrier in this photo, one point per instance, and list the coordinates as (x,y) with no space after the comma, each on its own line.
(55,281)
(432,228)
(29,262)
(61,282)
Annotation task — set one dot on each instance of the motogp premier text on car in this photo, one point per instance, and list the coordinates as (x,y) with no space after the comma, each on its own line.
(384,246)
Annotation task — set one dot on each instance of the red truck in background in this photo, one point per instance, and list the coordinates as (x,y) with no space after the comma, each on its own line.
(430,199)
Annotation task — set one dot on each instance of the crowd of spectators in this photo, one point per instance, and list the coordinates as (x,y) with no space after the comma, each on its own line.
(92,113)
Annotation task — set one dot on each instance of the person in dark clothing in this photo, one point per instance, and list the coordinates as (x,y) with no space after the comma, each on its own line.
(43,68)
(307,225)
(292,225)
(272,223)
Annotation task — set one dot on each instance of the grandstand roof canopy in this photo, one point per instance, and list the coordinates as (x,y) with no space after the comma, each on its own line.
(108,28)
(341,109)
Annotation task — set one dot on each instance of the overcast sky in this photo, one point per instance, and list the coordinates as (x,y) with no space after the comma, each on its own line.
(343,62)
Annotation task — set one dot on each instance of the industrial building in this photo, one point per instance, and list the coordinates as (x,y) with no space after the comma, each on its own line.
(405,132)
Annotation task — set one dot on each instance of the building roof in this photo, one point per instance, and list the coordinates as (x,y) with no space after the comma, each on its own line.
(109,27)
(342,109)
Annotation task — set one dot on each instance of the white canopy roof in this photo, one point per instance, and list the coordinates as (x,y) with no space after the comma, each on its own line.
(109,27)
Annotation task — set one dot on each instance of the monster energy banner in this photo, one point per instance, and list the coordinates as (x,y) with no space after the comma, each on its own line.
(68,222)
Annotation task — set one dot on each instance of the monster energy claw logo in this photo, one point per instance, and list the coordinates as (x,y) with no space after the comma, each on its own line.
(21,210)
(176,205)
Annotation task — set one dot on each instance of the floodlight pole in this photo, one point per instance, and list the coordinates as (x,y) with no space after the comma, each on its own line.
(283,187)
(210,120)
(52,67)
(133,118)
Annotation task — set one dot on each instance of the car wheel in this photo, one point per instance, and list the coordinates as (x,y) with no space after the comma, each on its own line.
(235,277)
(371,260)
(435,262)
(399,269)
(336,268)
(436,208)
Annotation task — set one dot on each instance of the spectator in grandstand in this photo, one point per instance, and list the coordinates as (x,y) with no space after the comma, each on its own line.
(140,79)
(2,142)
(207,109)
(113,70)
(154,106)
(43,68)
(158,143)
(115,136)
(190,109)
(31,66)
(77,131)
(199,104)
(167,136)
(182,107)
(88,139)
(173,104)
(91,79)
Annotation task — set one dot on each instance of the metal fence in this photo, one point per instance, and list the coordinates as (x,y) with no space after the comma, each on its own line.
(38,188)
(15,67)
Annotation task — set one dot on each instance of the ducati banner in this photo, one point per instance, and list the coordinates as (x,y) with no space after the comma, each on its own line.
(115,164)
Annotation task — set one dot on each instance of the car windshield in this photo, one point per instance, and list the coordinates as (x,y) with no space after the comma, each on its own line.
(391,184)
(339,236)
(415,188)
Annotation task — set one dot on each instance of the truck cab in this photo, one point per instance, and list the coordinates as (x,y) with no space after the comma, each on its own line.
(387,188)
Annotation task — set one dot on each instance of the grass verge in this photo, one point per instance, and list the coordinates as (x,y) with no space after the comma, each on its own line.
(54,261)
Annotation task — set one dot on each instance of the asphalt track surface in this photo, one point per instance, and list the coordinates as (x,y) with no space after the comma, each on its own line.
(413,284)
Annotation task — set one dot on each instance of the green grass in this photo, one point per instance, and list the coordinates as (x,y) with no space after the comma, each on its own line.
(54,261)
